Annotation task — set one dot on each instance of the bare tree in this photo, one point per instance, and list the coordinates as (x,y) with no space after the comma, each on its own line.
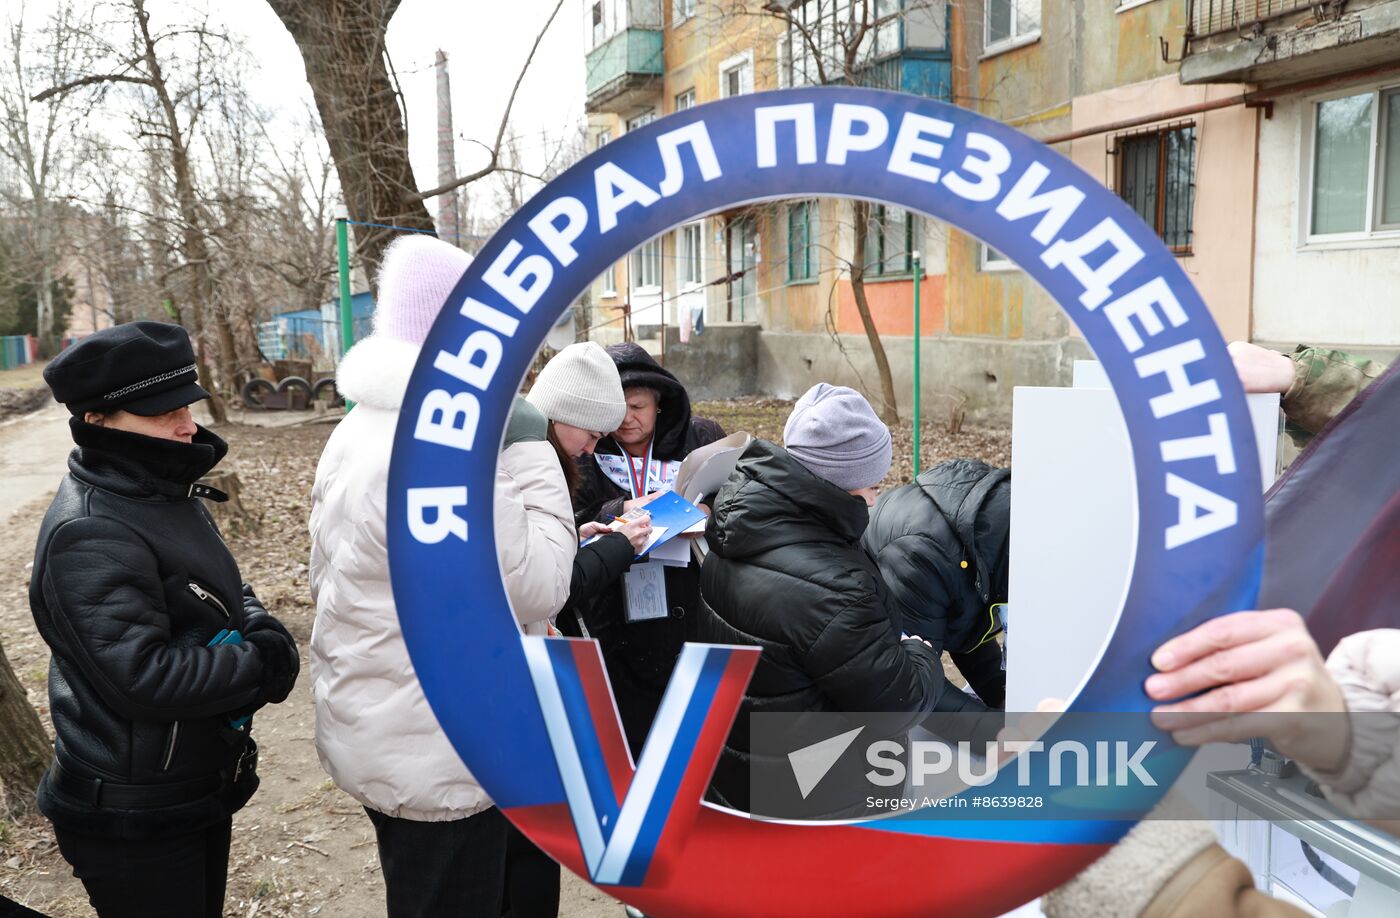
(342,43)
(848,43)
(192,121)
(38,137)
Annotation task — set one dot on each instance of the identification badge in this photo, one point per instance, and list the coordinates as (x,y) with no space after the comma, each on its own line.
(645,585)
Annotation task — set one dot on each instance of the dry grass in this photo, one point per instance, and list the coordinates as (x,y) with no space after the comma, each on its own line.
(25,377)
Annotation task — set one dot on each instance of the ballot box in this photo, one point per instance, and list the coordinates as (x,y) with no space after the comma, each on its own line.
(1074,529)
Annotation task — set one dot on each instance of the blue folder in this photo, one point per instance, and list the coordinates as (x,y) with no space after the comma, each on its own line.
(675,513)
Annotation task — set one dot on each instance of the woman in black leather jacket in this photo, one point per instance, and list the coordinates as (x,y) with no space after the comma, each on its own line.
(161,653)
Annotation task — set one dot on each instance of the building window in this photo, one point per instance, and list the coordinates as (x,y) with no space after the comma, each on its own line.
(801,245)
(681,10)
(1353,194)
(1009,23)
(992,260)
(597,14)
(1157,177)
(685,100)
(604,138)
(646,265)
(610,281)
(645,118)
(692,268)
(736,75)
(741,258)
(889,241)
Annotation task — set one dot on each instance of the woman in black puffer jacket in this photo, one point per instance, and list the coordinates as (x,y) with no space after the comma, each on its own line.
(131,585)
(942,544)
(786,572)
(638,459)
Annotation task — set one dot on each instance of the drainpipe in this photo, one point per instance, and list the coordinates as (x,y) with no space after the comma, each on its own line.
(1116,126)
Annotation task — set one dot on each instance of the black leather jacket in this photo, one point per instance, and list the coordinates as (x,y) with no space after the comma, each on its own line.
(131,581)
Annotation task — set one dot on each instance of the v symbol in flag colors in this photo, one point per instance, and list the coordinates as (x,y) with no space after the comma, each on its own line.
(629,819)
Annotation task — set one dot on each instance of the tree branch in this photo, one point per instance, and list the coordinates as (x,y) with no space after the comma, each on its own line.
(505,120)
(90,81)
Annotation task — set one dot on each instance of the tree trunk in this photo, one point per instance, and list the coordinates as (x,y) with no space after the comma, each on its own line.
(890,412)
(217,410)
(232,516)
(342,45)
(194,247)
(44,326)
(25,749)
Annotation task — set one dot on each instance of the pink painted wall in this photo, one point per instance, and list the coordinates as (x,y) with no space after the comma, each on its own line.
(1222,247)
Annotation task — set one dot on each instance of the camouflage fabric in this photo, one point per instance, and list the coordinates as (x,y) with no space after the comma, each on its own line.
(1324,381)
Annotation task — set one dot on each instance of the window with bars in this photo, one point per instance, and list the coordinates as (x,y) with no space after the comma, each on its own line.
(801,260)
(889,241)
(1157,177)
(646,265)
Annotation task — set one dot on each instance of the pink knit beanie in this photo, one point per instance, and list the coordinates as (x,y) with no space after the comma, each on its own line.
(417,274)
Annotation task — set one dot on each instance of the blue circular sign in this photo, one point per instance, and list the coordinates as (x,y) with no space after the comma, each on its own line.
(520,710)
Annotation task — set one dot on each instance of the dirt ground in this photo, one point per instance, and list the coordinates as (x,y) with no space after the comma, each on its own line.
(302,847)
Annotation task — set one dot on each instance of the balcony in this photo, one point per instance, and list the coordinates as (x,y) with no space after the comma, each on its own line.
(1285,41)
(625,71)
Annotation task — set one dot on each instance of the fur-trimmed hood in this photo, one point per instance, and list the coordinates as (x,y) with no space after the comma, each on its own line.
(376,370)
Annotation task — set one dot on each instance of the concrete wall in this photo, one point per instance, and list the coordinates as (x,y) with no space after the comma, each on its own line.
(982,371)
(721,362)
(1340,293)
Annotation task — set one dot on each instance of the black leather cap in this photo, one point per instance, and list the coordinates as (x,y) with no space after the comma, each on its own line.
(146,368)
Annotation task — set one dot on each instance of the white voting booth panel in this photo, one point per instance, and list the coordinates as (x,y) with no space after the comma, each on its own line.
(1074,529)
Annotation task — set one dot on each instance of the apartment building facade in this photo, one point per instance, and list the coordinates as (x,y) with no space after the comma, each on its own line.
(1325,80)
(1162,101)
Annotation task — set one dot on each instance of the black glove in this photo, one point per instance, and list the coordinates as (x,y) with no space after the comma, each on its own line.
(281,663)
(261,620)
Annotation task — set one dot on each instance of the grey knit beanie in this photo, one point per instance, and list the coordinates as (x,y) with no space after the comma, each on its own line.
(580,386)
(834,432)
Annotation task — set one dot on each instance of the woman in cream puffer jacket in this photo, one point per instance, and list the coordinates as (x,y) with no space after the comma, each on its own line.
(441,842)
(374,731)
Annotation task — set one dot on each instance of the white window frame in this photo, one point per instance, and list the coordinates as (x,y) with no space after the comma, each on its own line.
(635,266)
(1125,5)
(986,263)
(688,97)
(680,15)
(639,121)
(610,281)
(603,139)
(597,31)
(1017,40)
(690,265)
(782,54)
(742,62)
(1370,236)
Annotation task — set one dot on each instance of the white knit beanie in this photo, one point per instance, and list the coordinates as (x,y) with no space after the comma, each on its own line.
(415,277)
(580,386)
